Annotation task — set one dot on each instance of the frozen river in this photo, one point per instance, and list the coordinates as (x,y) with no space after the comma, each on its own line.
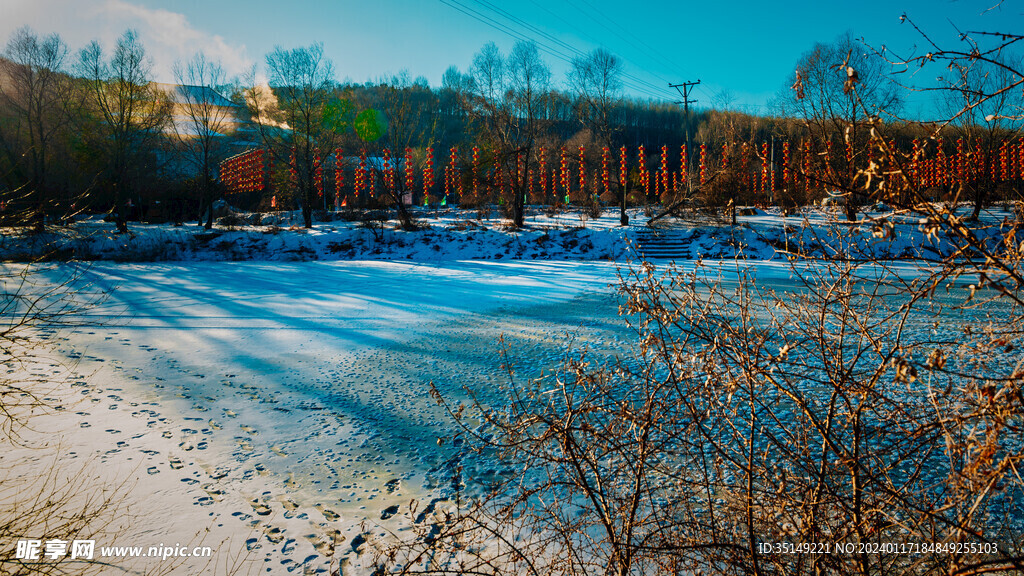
(285,405)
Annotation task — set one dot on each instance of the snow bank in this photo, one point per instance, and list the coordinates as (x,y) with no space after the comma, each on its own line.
(452,235)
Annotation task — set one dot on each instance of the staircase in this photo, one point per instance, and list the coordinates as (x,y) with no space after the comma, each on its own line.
(663,243)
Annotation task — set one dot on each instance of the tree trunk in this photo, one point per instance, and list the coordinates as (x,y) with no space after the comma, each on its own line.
(207,190)
(40,212)
(518,208)
(202,214)
(121,208)
(851,210)
(122,220)
(307,209)
(404,217)
(623,217)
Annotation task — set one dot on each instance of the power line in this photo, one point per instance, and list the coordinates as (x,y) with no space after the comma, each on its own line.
(650,50)
(632,82)
(652,85)
(529,26)
(489,21)
(480,17)
(684,90)
(637,82)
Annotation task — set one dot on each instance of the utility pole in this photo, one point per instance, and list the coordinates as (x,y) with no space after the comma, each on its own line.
(684,90)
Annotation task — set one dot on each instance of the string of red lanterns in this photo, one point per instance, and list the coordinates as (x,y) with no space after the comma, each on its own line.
(248,171)
(428,175)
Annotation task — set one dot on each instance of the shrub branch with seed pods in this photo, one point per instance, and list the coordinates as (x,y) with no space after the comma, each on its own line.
(853,403)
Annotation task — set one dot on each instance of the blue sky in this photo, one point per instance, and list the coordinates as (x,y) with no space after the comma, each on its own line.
(744,47)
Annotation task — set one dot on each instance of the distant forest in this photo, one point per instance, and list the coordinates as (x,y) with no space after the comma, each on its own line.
(90,131)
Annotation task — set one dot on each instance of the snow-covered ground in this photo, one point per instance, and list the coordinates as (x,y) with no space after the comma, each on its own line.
(278,408)
(284,406)
(452,234)
(443,235)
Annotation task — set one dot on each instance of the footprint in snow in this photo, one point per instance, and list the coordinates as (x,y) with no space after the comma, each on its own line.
(260,508)
(274,534)
(329,515)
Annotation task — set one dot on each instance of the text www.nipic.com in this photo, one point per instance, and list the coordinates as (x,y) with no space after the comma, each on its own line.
(162,552)
(36,550)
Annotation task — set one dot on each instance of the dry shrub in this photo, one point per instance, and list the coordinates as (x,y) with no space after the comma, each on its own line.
(54,500)
(853,418)
(840,416)
(823,411)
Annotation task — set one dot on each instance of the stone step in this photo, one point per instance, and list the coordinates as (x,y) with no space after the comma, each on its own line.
(663,243)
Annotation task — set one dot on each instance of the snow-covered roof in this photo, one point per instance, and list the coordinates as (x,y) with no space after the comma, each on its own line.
(185,94)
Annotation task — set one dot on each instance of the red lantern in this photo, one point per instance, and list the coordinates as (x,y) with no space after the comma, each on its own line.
(373,182)
(361,174)
(665,168)
(318,174)
(454,170)
(642,168)
(961,164)
(409,174)
(605,179)
(785,164)
(807,166)
(583,172)
(428,174)
(977,165)
(1004,168)
(623,170)
(293,174)
(703,164)
(1020,158)
(543,162)
(565,174)
(476,170)
(764,167)
(682,164)
(1004,161)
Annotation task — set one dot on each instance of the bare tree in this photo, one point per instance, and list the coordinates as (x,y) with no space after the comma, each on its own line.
(596,80)
(508,101)
(408,109)
(207,119)
(985,123)
(37,92)
(293,116)
(826,101)
(131,114)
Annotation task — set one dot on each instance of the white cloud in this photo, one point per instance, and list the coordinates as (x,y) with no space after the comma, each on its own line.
(175,36)
(168,36)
